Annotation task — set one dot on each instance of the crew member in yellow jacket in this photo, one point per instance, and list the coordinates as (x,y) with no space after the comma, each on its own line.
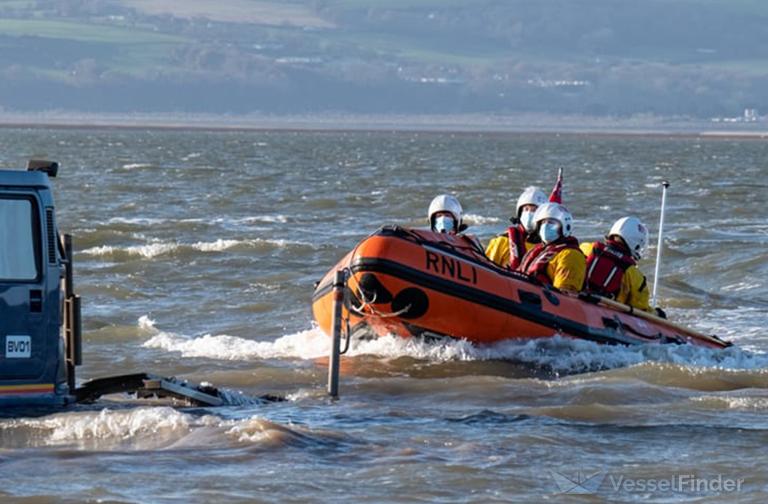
(557,260)
(508,249)
(612,264)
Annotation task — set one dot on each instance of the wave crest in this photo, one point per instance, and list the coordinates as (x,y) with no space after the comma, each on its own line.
(156,428)
(558,354)
(159,248)
(480,220)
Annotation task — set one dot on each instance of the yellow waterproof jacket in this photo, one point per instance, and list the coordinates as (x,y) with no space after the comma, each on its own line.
(634,286)
(567,270)
(498,249)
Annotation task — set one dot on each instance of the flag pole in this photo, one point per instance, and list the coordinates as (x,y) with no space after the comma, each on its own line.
(556,196)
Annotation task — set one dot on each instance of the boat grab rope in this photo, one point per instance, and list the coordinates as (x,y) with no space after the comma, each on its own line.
(367,304)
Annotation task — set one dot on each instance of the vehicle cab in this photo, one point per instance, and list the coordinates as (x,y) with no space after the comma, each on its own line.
(39,314)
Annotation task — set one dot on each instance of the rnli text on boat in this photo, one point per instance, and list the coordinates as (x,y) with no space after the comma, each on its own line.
(451,267)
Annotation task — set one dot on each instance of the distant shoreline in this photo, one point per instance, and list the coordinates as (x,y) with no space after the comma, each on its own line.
(471,124)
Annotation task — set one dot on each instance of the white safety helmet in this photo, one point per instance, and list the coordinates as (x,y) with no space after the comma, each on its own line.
(531,196)
(633,232)
(445,203)
(557,212)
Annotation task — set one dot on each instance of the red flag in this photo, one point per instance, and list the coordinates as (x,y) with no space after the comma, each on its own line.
(556,196)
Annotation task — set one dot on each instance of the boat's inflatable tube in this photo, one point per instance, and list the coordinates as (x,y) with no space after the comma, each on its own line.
(420,283)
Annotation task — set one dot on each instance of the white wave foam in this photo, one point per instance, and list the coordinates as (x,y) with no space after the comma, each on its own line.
(248,222)
(144,221)
(280,219)
(559,354)
(257,431)
(568,355)
(741,286)
(148,251)
(138,428)
(146,323)
(143,421)
(159,248)
(218,245)
(143,428)
(479,220)
(134,166)
(152,221)
(307,344)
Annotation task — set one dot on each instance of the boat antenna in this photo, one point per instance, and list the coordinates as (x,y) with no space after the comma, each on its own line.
(664,186)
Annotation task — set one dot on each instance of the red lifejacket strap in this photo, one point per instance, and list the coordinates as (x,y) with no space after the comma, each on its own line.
(516,236)
(606,266)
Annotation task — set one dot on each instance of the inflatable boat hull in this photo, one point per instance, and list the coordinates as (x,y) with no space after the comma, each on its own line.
(418,283)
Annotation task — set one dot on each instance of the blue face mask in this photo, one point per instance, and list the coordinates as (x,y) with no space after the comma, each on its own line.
(549,232)
(444,224)
(526,219)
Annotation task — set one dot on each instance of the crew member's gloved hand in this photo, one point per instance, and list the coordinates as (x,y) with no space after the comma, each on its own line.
(660,313)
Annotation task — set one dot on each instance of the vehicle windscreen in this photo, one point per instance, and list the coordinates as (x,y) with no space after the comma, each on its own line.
(17,240)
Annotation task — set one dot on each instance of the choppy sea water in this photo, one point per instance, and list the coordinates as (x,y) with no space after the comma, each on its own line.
(196,256)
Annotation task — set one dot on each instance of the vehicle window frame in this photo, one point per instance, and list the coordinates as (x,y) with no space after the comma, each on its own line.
(36,238)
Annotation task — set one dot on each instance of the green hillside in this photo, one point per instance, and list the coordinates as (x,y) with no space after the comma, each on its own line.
(693,57)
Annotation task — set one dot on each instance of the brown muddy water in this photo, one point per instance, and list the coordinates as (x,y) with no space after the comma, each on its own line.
(196,257)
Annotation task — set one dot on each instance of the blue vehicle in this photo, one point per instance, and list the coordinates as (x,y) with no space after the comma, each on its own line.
(39,313)
(40,324)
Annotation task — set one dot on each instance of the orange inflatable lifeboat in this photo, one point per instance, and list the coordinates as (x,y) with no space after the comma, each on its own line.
(419,283)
